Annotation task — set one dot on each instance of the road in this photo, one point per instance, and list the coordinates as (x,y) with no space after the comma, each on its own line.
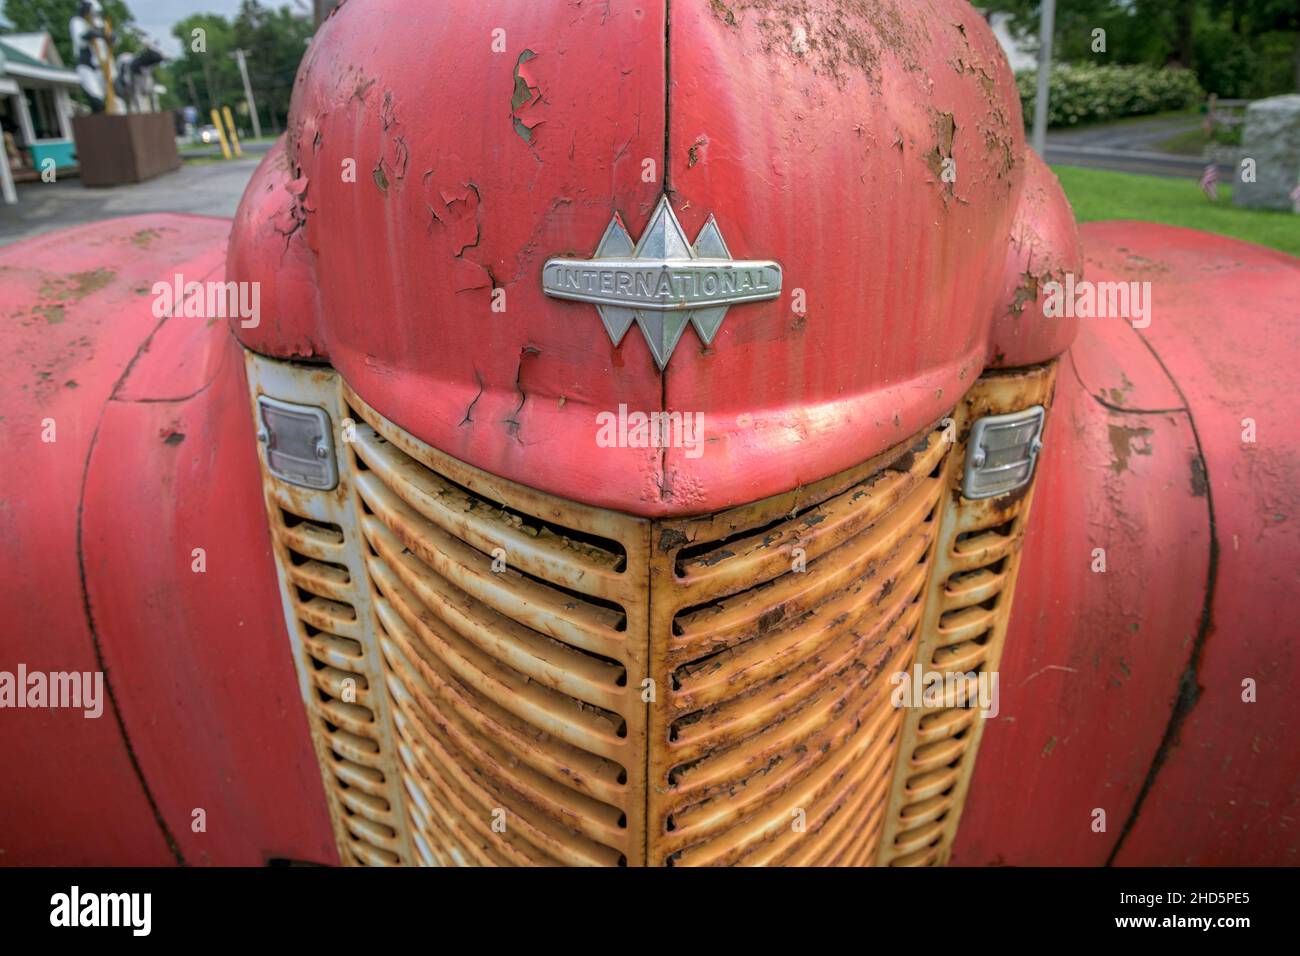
(1129,148)
(204,188)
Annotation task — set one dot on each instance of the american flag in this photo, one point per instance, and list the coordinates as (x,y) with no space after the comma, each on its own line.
(1210,181)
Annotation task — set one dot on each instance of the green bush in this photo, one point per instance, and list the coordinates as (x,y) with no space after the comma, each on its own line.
(1083,93)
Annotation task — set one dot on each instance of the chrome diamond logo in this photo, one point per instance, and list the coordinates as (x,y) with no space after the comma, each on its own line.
(663,283)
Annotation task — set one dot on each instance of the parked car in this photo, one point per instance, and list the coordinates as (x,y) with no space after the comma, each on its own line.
(207,135)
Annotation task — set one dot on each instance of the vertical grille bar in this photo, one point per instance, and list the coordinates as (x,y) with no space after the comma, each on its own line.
(315,538)
(963,630)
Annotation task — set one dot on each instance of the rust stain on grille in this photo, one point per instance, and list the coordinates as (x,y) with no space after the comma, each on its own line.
(327,600)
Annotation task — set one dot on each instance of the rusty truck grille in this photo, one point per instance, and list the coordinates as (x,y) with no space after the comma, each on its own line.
(546,683)
(509,625)
(333,659)
(776,629)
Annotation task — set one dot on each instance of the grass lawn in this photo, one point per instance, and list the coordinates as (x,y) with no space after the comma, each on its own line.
(1097,194)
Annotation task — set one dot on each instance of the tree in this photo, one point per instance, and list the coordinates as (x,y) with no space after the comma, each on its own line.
(274,42)
(207,75)
(31,16)
(1238,48)
(1261,24)
(204,74)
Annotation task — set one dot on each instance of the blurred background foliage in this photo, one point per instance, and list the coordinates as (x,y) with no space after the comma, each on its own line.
(274,40)
(1087,93)
(1238,49)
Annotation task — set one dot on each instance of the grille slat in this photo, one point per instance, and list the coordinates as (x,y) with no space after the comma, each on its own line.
(540,659)
(551,713)
(489,758)
(338,620)
(566,618)
(481,796)
(757,611)
(820,530)
(475,717)
(763,838)
(469,820)
(809,736)
(965,622)
(327,610)
(515,689)
(786,732)
(537,551)
(735,671)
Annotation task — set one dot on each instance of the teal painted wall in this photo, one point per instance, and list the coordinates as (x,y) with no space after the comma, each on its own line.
(62,151)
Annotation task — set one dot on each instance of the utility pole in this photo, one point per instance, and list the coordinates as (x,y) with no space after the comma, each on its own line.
(1046,30)
(248,93)
(207,81)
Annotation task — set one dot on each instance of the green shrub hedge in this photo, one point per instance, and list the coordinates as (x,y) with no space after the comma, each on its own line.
(1083,93)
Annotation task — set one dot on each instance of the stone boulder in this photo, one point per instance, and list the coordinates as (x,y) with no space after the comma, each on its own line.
(1272,139)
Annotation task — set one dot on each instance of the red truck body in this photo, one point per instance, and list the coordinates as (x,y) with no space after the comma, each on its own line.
(815,137)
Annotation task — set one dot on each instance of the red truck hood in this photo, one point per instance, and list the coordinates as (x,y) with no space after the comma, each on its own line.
(438,155)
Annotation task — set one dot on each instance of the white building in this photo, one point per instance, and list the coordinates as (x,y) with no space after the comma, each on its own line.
(35,107)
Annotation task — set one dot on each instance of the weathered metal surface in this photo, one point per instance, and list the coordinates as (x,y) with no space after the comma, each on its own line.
(1126,687)
(774,629)
(329,612)
(966,609)
(1092,657)
(1227,791)
(182,591)
(825,134)
(512,627)
(73,325)
(392,272)
(1044,247)
(875,151)
(99,526)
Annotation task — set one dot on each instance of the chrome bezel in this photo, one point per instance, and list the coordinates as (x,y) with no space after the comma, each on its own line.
(977,473)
